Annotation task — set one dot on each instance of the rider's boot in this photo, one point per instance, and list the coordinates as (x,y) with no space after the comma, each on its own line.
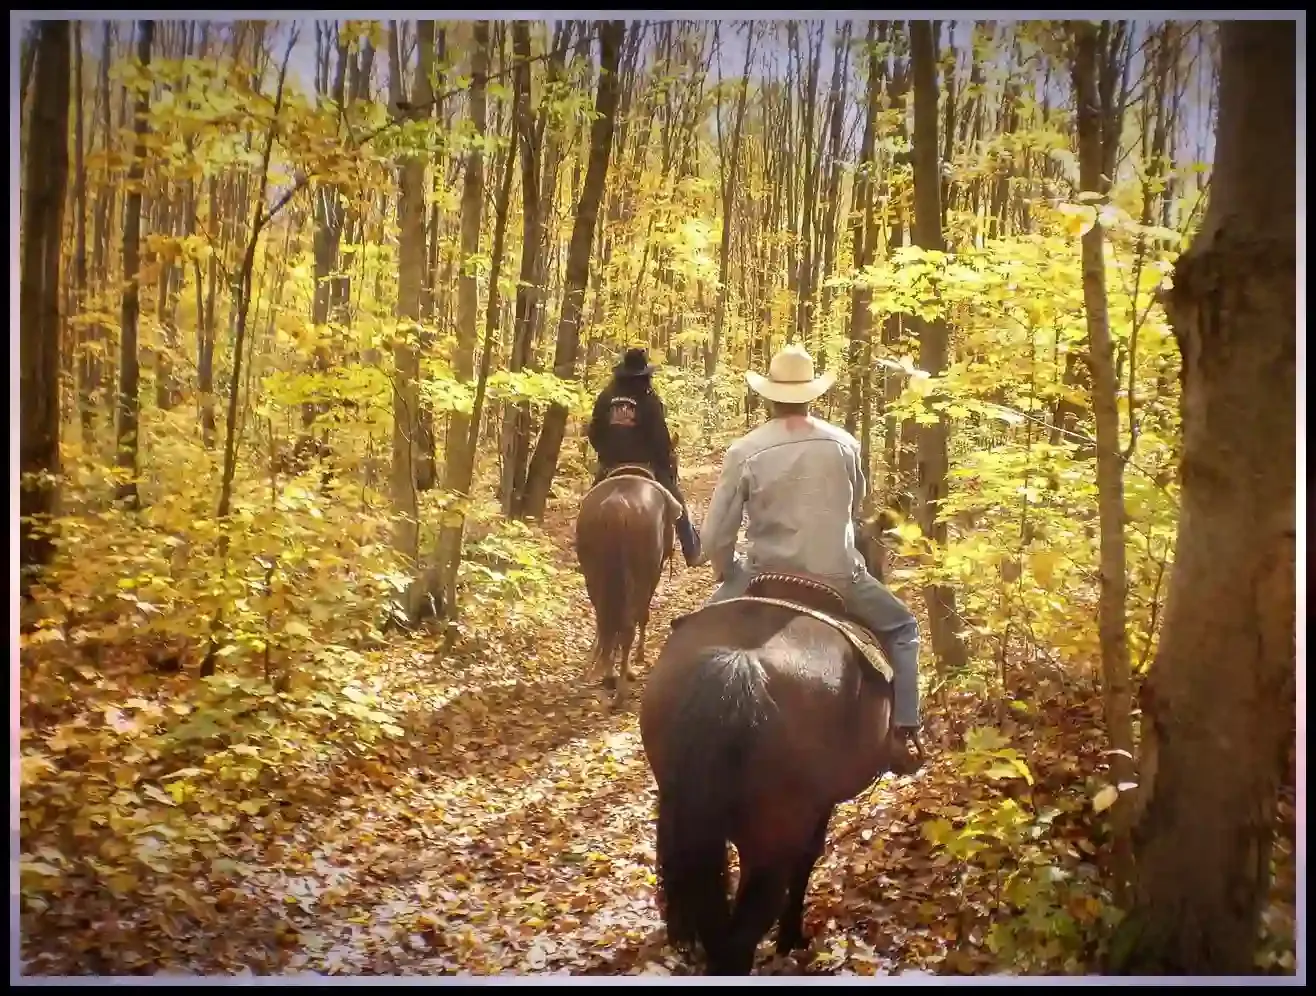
(906,751)
(689,537)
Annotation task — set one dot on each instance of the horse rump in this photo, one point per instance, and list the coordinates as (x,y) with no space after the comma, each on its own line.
(708,740)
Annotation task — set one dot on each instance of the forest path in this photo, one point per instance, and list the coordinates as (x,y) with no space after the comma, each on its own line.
(526,843)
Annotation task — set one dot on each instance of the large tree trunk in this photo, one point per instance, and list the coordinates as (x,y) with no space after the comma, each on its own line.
(1094,162)
(130,311)
(1219,705)
(543,465)
(39,337)
(934,338)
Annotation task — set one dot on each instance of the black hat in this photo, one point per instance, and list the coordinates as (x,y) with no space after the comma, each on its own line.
(634,364)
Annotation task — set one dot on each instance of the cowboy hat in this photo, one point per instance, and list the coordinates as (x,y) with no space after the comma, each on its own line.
(790,378)
(634,364)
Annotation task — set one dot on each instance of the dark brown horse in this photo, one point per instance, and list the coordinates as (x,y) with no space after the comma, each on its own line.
(757,720)
(624,535)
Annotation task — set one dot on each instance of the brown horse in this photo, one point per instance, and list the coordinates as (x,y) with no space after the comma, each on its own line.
(757,720)
(624,535)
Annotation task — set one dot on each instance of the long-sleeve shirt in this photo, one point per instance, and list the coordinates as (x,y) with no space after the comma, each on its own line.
(801,482)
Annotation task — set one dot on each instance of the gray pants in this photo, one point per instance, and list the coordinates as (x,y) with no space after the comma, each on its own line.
(888,617)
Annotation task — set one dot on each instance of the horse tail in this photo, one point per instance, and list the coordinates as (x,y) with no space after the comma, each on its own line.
(615,590)
(699,789)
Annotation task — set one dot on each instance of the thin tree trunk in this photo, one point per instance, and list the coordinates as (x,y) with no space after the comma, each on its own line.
(1112,609)
(729,189)
(543,465)
(863,237)
(129,370)
(406,348)
(459,482)
(933,340)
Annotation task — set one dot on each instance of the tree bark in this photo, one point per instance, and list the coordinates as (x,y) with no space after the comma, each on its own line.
(406,351)
(536,203)
(45,187)
(1219,705)
(461,476)
(934,338)
(130,311)
(472,210)
(864,236)
(543,465)
(729,190)
(1112,606)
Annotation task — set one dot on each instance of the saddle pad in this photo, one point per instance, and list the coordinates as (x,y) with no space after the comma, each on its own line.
(673,505)
(859,638)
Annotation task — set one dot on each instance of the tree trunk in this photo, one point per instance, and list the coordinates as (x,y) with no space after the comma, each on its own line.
(129,370)
(1219,705)
(461,476)
(85,337)
(543,465)
(1112,609)
(530,290)
(863,236)
(729,178)
(406,352)
(47,167)
(933,339)
(472,205)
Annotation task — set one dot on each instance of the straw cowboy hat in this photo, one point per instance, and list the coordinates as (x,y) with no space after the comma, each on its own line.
(790,378)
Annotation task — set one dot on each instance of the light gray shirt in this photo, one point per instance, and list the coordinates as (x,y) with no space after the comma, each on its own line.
(801,483)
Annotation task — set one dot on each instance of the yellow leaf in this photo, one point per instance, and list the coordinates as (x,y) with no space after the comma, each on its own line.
(154,793)
(1105,798)
(39,868)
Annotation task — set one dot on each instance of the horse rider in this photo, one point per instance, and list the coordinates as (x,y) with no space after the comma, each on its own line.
(801,482)
(630,426)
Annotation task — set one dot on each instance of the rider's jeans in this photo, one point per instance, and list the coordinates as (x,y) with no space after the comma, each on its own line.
(872,603)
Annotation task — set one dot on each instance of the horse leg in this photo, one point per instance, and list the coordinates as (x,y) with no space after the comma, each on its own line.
(624,668)
(758,904)
(643,629)
(607,651)
(790,930)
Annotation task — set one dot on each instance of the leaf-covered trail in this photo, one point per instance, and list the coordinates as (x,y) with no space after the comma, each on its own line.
(510,830)
(525,844)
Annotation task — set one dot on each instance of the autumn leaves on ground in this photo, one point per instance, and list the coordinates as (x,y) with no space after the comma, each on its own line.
(504,824)
(498,819)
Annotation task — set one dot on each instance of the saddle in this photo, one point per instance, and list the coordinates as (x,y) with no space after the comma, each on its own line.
(814,598)
(644,473)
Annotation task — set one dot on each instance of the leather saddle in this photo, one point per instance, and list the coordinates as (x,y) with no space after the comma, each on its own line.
(644,471)
(814,598)
(808,592)
(630,470)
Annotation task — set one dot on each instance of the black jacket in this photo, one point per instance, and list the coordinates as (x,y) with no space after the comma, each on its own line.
(630,426)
